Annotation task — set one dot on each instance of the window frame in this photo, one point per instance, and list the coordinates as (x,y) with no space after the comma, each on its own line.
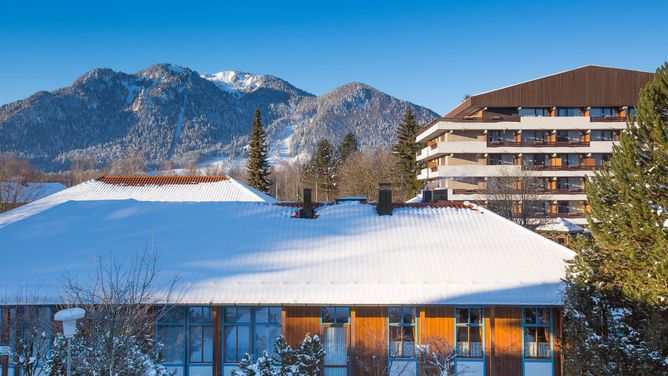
(268,324)
(468,325)
(401,324)
(224,325)
(201,325)
(537,325)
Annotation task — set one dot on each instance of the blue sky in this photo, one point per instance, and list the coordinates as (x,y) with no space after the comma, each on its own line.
(429,52)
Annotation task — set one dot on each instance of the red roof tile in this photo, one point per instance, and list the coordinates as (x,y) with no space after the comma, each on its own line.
(159,180)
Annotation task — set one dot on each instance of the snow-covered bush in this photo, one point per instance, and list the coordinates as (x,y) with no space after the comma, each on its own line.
(305,361)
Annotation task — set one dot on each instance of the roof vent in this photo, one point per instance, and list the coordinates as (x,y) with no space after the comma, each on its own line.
(384,206)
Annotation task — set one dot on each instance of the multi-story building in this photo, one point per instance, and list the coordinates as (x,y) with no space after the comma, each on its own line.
(560,127)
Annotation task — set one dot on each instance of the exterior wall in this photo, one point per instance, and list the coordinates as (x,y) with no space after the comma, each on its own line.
(367,336)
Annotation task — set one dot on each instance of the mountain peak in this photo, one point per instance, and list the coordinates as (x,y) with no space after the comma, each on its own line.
(234,81)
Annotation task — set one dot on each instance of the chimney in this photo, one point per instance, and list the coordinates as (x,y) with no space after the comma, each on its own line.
(384,199)
(307,210)
(426,195)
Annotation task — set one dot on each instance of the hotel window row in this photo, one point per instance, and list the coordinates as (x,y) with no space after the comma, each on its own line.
(594,112)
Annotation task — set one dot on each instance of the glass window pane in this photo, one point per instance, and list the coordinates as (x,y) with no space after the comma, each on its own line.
(476,316)
(543,339)
(237,314)
(529,315)
(395,315)
(230,344)
(409,341)
(172,314)
(231,314)
(262,314)
(462,342)
(462,315)
(342,315)
(173,340)
(408,315)
(275,315)
(199,314)
(207,344)
(543,316)
(244,340)
(530,349)
(328,315)
(265,336)
(196,344)
(475,342)
(244,314)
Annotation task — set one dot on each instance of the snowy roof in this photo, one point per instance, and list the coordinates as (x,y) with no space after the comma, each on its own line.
(258,253)
(559,225)
(145,188)
(31,191)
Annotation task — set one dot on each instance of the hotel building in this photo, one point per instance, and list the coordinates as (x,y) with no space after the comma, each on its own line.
(561,127)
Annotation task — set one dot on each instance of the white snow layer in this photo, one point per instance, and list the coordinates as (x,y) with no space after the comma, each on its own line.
(235,81)
(94,190)
(560,225)
(256,253)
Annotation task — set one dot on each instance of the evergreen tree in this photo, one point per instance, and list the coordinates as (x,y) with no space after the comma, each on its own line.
(264,366)
(406,150)
(321,169)
(258,166)
(616,308)
(310,357)
(347,147)
(283,357)
(246,367)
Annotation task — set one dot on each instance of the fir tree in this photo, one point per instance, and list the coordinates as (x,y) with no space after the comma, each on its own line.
(310,357)
(258,166)
(406,150)
(347,147)
(616,306)
(246,367)
(283,357)
(264,366)
(321,169)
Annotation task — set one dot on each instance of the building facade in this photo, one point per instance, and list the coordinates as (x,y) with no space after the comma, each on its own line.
(379,284)
(560,128)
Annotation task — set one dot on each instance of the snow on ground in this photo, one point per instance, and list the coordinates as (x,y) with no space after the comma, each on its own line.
(257,253)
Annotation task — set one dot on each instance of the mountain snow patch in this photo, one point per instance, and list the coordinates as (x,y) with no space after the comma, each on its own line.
(234,81)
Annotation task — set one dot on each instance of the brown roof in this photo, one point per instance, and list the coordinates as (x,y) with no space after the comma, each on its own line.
(159,180)
(587,86)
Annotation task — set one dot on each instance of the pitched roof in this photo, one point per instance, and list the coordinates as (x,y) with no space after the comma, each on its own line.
(31,191)
(590,85)
(258,253)
(559,225)
(145,188)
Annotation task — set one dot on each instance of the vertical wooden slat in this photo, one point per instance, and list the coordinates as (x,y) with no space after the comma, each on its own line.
(490,343)
(558,343)
(369,331)
(300,321)
(507,335)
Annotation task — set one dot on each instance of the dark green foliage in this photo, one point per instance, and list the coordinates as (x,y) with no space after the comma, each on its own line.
(321,170)
(617,286)
(258,166)
(283,357)
(406,150)
(246,366)
(310,356)
(347,147)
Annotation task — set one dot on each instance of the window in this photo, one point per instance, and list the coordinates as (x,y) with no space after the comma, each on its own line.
(534,137)
(569,111)
(501,137)
(533,112)
(569,136)
(600,159)
(604,135)
(535,159)
(537,207)
(570,160)
(236,333)
(631,111)
(200,328)
(171,333)
(570,184)
(537,333)
(501,159)
(267,329)
(335,315)
(603,112)
(468,327)
(402,327)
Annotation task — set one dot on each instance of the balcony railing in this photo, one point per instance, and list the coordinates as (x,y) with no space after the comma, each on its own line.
(575,214)
(564,168)
(538,143)
(463,191)
(608,118)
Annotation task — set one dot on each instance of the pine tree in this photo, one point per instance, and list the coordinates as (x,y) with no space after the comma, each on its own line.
(406,150)
(310,357)
(264,366)
(246,367)
(347,147)
(321,169)
(616,308)
(283,357)
(258,166)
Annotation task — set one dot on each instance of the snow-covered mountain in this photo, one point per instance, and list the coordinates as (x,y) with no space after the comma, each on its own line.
(172,112)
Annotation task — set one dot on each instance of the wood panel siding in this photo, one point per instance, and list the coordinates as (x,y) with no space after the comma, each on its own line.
(217,317)
(504,341)
(587,86)
(558,344)
(437,322)
(300,321)
(368,338)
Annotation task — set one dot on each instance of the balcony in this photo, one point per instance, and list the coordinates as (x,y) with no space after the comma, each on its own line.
(539,191)
(575,214)
(608,118)
(539,144)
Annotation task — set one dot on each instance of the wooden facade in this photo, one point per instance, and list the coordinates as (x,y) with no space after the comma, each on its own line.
(587,86)
(367,335)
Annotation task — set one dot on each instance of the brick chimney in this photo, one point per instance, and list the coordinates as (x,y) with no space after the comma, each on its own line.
(384,206)
(307,209)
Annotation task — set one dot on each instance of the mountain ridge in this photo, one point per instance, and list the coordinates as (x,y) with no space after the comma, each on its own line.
(166,111)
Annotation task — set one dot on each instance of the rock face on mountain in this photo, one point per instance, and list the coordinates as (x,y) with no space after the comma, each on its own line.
(170,112)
